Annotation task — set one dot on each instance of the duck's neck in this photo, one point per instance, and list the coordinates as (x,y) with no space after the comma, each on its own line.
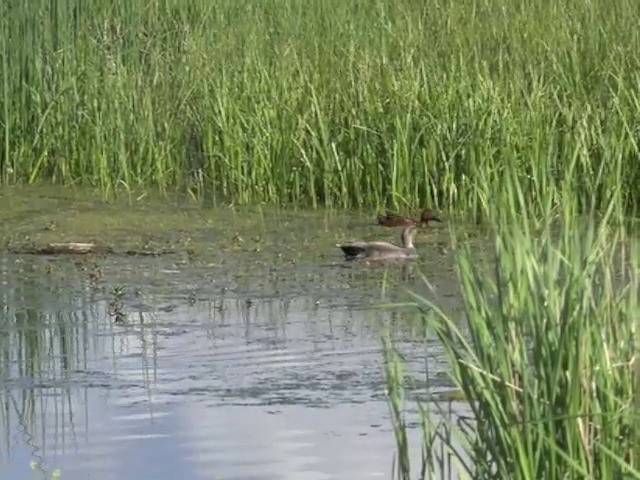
(407,238)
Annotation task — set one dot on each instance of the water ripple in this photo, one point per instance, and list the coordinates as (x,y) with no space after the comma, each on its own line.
(200,379)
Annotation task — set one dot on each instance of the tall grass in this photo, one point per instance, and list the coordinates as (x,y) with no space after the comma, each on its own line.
(547,351)
(324,102)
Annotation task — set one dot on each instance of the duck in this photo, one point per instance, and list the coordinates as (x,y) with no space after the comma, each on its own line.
(382,250)
(393,220)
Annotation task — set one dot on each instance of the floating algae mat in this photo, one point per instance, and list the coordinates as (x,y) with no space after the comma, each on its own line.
(34,219)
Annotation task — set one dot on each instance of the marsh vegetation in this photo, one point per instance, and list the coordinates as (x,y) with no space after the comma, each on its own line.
(520,119)
(329,103)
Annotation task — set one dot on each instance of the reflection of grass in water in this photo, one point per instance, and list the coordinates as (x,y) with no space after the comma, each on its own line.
(54,474)
(39,350)
(547,353)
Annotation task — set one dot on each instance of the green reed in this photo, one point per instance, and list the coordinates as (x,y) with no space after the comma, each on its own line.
(546,351)
(324,102)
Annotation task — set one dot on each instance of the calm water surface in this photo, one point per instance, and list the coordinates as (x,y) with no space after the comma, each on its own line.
(157,367)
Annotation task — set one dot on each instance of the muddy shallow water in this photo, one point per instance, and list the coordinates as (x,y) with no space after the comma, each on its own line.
(250,351)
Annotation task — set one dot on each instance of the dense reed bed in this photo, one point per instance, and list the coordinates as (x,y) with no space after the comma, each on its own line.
(325,102)
(546,354)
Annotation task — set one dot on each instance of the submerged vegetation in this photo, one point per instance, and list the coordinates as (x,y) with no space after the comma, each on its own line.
(325,102)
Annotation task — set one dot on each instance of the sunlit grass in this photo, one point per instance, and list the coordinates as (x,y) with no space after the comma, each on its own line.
(546,351)
(325,102)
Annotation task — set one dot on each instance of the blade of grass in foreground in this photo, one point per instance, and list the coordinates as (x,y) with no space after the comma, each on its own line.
(547,351)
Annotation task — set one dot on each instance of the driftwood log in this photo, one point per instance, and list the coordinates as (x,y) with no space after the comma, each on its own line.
(77,248)
(71,248)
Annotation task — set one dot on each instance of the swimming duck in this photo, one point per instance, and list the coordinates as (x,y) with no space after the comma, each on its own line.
(382,250)
(393,220)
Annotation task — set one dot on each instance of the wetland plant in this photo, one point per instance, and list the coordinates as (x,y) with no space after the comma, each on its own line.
(546,353)
(324,102)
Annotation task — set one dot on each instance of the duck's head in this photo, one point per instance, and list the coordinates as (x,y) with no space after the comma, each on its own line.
(429,216)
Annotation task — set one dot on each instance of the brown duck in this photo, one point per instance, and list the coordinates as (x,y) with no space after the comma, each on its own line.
(393,220)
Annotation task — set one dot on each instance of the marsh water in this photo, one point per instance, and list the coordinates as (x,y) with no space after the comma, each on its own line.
(245,348)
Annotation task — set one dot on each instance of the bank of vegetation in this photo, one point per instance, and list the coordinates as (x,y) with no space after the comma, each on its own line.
(325,102)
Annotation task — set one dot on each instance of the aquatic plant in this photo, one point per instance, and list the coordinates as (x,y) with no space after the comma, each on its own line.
(116,308)
(545,354)
(324,102)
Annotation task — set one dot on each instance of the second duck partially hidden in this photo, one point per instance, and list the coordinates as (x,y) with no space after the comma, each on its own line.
(382,250)
(394,220)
